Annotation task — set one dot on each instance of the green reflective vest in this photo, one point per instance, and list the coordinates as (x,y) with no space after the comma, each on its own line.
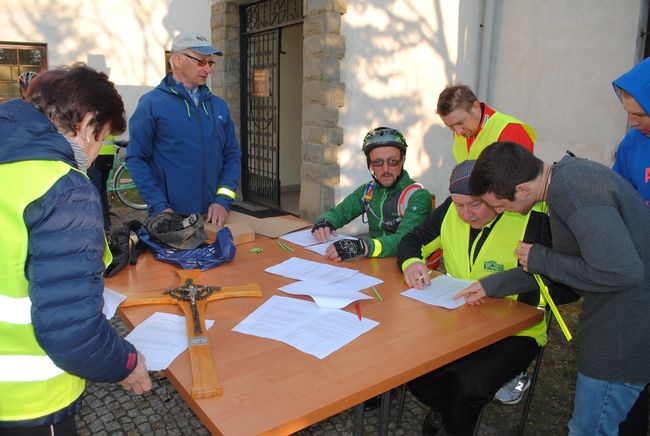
(108,146)
(489,133)
(31,385)
(496,254)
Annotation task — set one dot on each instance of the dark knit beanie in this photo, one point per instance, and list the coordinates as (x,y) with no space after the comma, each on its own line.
(459,180)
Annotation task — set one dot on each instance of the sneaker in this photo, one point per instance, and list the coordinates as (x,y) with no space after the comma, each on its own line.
(513,391)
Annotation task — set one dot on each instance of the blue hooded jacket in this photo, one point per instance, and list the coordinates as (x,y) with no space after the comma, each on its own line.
(180,154)
(633,155)
(64,265)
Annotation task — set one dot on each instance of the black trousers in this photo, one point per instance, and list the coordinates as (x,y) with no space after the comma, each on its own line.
(63,428)
(636,422)
(461,388)
(98,173)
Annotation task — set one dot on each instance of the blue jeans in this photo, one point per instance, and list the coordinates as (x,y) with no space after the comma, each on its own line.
(600,406)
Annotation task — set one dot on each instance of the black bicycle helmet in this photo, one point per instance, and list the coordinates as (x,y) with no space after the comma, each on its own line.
(179,231)
(25,78)
(382,137)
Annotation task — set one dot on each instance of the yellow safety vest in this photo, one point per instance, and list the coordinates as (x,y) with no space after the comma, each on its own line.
(31,385)
(489,133)
(108,146)
(496,254)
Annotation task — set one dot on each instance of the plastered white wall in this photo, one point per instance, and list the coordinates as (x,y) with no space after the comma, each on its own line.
(550,63)
(399,56)
(125,38)
(553,64)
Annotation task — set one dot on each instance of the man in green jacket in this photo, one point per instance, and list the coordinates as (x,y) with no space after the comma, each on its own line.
(391,203)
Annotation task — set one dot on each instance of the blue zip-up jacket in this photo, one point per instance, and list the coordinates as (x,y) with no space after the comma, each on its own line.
(633,155)
(65,264)
(180,154)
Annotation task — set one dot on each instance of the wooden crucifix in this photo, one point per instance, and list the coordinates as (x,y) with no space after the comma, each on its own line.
(192,299)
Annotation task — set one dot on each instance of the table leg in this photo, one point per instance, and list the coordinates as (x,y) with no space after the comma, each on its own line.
(384,413)
(358,419)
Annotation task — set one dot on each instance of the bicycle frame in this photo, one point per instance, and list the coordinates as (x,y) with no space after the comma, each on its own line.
(124,188)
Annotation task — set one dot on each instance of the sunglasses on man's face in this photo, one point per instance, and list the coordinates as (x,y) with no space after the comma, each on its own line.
(392,162)
(200,62)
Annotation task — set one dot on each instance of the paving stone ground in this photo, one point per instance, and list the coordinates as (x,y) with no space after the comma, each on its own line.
(108,410)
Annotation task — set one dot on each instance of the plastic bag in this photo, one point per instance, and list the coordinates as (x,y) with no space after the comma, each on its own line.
(205,256)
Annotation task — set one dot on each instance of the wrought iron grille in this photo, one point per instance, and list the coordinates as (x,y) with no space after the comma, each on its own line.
(261,179)
(260,24)
(270,14)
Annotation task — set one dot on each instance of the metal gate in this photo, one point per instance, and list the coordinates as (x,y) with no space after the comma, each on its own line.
(260,48)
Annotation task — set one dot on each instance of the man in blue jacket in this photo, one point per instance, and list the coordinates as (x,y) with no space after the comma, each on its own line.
(633,155)
(633,163)
(183,153)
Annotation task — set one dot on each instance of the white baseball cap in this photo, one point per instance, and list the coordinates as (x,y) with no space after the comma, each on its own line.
(196,42)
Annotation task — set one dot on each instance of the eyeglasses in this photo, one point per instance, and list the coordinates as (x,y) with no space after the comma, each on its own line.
(392,162)
(201,62)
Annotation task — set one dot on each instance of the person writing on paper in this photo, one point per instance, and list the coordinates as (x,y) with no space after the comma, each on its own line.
(53,334)
(391,203)
(476,241)
(602,249)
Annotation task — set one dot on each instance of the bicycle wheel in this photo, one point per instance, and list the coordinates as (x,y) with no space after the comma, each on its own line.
(126,190)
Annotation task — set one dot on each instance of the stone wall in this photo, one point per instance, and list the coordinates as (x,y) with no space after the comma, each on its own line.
(323,95)
(226,71)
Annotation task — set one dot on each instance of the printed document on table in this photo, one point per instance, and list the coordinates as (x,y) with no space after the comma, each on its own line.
(304,326)
(305,238)
(440,292)
(334,295)
(161,338)
(301,269)
(112,300)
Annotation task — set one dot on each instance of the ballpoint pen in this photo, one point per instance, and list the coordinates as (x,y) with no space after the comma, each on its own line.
(422,276)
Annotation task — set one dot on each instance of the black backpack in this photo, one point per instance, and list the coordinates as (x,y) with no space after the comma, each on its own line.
(124,246)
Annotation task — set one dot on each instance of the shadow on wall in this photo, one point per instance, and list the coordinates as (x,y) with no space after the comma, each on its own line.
(382,87)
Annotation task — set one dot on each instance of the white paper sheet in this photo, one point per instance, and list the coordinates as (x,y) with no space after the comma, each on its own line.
(301,269)
(334,295)
(304,326)
(305,238)
(161,338)
(112,300)
(440,292)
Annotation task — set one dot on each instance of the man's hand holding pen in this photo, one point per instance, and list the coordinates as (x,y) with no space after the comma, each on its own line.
(417,275)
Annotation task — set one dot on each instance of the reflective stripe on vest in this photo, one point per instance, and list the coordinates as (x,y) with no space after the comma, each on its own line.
(497,253)
(27,369)
(227,192)
(15,310)
(108,146)
(489,133)
(31,385)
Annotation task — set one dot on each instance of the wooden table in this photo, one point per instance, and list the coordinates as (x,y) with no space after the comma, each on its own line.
(272,388)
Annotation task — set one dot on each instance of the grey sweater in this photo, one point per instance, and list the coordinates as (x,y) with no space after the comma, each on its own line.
(601,248)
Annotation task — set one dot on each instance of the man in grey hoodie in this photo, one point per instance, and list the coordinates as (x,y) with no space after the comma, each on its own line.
(601,248)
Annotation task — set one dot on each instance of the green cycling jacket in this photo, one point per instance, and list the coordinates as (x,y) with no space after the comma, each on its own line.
(386,224)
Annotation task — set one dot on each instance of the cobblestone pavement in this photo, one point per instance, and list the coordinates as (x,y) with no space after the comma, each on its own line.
(108,410)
